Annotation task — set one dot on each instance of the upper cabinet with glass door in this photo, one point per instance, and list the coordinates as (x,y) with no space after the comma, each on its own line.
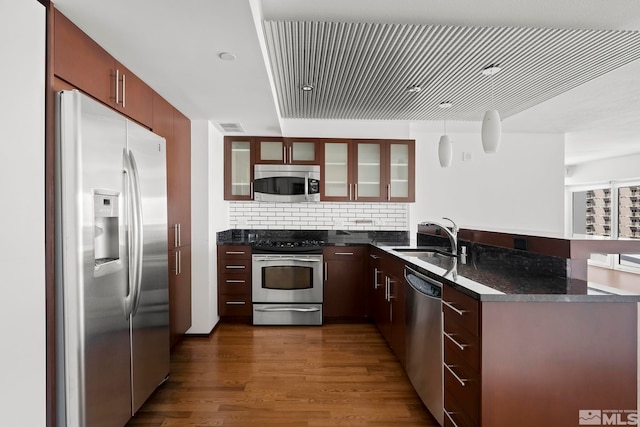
(368,171)
(400,171)
(238,168)
(286,151)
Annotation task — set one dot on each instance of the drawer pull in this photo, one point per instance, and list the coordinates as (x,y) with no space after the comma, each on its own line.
(235,267)
(235,281)
(343,253)
(235,252)
(235,303)
(453,340)
(458,311)
(449,415)
(462,381)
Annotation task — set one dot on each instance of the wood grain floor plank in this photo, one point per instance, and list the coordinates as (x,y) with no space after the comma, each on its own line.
(246,376)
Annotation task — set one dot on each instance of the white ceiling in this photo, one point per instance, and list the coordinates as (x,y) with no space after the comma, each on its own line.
(174,46)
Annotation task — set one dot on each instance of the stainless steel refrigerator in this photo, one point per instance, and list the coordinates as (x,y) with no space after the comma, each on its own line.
(112,317)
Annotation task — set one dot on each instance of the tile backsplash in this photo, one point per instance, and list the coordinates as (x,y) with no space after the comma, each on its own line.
(319,216)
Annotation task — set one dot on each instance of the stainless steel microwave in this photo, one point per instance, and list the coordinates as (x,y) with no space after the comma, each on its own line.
(286,183)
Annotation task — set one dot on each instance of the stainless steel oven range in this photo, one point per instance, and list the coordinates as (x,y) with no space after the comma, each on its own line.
(287,282)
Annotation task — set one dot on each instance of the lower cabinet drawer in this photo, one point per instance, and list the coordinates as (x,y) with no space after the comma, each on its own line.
(234,305)
(462,384)
(454,413)
(234,284)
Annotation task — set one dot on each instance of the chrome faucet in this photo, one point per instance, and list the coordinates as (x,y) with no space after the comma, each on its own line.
(452,234)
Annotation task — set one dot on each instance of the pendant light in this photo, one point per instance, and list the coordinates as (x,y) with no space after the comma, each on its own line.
(445,146)
(491,125)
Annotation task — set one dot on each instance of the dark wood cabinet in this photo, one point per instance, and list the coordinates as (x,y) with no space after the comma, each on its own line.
(179,292)
(239,159)
(461,364)
(388,301)
(176,129)
(179,179)
(234,283)
(368,171)
(83,63)
(503,359)
(344,284)
(351,170)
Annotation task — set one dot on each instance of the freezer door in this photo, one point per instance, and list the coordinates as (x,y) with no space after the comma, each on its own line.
(150,320)
(91,271)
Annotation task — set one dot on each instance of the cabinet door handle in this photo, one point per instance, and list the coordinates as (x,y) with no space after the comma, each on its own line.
(350,191)
(453,340)
(179,234)
(284,154)
(326,271)
(462,381)
(235,267)
(251,190)
(235,303)
(355,191)
(456,310)
(176,262)
(235,281)
(175,235)
(376,285)
(117,86)
(235,252)
(179,262)
(449,415)
(388,192)
(391,295)
(124,91)
(343,253)
(290,155)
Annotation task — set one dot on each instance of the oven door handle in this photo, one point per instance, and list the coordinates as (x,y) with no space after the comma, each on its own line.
(296,309)
(271,259)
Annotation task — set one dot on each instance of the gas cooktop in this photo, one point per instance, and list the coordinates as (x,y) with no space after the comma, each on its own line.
(288,246)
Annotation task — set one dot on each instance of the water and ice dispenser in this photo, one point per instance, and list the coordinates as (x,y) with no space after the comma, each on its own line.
(106,227)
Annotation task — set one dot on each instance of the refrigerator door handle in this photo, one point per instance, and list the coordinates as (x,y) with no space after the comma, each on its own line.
(128,190)
(138,237)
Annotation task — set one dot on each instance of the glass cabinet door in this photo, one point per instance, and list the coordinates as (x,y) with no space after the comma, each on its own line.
(369,182)
(335,177)
(399,172)
(271,151)
(302,152)
(240,165)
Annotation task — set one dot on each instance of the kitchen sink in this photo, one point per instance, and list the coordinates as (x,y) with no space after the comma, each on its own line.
(423,252)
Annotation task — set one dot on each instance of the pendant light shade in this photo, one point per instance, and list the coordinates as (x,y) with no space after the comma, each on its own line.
(445,146)
(445,151)
(491,131)
(491,125)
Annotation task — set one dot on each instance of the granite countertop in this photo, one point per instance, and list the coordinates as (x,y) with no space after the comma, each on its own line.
(488,279)
(485,273)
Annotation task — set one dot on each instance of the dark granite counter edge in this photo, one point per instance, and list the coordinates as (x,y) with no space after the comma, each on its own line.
(502,297)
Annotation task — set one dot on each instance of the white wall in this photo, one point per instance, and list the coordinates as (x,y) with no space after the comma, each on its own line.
(520,188)
(208,215)
(22,262)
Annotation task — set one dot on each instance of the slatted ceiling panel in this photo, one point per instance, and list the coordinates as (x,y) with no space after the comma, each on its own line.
(362,70)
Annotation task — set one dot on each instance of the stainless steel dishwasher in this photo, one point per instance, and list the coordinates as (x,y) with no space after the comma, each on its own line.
(424,339)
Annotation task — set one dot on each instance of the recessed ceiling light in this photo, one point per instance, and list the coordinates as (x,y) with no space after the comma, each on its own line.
(490,70)
(226,56)
(414,89)
(307,88)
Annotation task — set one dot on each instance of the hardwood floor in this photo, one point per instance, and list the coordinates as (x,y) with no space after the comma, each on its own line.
(317,376)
